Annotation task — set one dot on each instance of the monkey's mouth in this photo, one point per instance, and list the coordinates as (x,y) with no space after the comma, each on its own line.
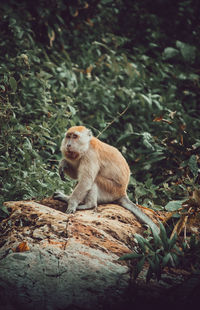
(71,154)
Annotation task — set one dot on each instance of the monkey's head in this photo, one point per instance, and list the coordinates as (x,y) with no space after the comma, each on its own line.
(76,142)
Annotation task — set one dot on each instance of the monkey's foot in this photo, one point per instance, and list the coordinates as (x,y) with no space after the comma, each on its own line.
(70,210)
(85,207)
(72,205)
(60,196)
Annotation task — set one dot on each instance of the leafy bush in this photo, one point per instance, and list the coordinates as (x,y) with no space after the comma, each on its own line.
(158,251)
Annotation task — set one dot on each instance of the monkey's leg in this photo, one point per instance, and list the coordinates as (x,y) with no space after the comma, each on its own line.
(90,200)
(129,205)
(61,197)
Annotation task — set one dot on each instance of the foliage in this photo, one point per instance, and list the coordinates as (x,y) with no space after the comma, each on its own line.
(191,258)
(65,63)
(159,251)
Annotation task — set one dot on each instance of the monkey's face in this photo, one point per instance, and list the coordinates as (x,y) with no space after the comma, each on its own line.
(75,143)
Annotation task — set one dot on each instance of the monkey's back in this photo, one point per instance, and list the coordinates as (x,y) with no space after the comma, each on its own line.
(114,171)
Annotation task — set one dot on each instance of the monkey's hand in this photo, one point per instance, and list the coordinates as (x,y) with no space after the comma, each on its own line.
(71,207)
(61,173)
(66,168)
(62,166)
(60,196)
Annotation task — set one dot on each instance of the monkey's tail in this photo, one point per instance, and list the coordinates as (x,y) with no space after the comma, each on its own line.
(133,208)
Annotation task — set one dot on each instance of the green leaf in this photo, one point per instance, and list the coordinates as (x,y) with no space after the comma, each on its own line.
(175,259)
(166,259)
(196,145)
(163,236)
(174,205)
(72,109)
(147,99)
(139,266)
(170,52)
(147,140)
(4,212)
(172,241)
(193,166)
(152,264)
(178,251)
(130,256)
(27,144)
(13,84)
(156,238)
(143,243)
(2,87)
(124,137)
(187,51)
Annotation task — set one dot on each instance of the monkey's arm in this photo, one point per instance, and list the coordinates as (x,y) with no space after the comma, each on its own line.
(66,168)
(87,173)
(129,205)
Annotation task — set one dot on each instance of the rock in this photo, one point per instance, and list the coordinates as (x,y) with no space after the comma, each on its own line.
(51,260)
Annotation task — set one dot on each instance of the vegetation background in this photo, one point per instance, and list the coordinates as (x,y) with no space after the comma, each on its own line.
(76,62)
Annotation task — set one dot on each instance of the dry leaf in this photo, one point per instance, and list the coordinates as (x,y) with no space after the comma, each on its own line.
(89,22)
(86,5)
(22,247)
(181,138)
(52,37)
(158,119)
(179,225)
(89,69)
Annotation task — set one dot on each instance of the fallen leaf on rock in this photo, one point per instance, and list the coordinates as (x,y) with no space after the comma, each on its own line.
(22,247)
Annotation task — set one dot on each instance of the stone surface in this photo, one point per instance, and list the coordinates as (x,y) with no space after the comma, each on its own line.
(54,261)
(50,260)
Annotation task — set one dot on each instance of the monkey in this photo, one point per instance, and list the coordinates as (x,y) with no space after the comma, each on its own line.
(101,170)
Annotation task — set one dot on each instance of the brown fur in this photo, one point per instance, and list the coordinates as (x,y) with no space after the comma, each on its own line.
(76,128)
(114,173)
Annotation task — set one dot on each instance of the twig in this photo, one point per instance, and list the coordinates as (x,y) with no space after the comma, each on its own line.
(115,119)
(185,235)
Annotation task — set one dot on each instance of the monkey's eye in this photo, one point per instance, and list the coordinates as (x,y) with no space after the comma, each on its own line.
(71,136)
